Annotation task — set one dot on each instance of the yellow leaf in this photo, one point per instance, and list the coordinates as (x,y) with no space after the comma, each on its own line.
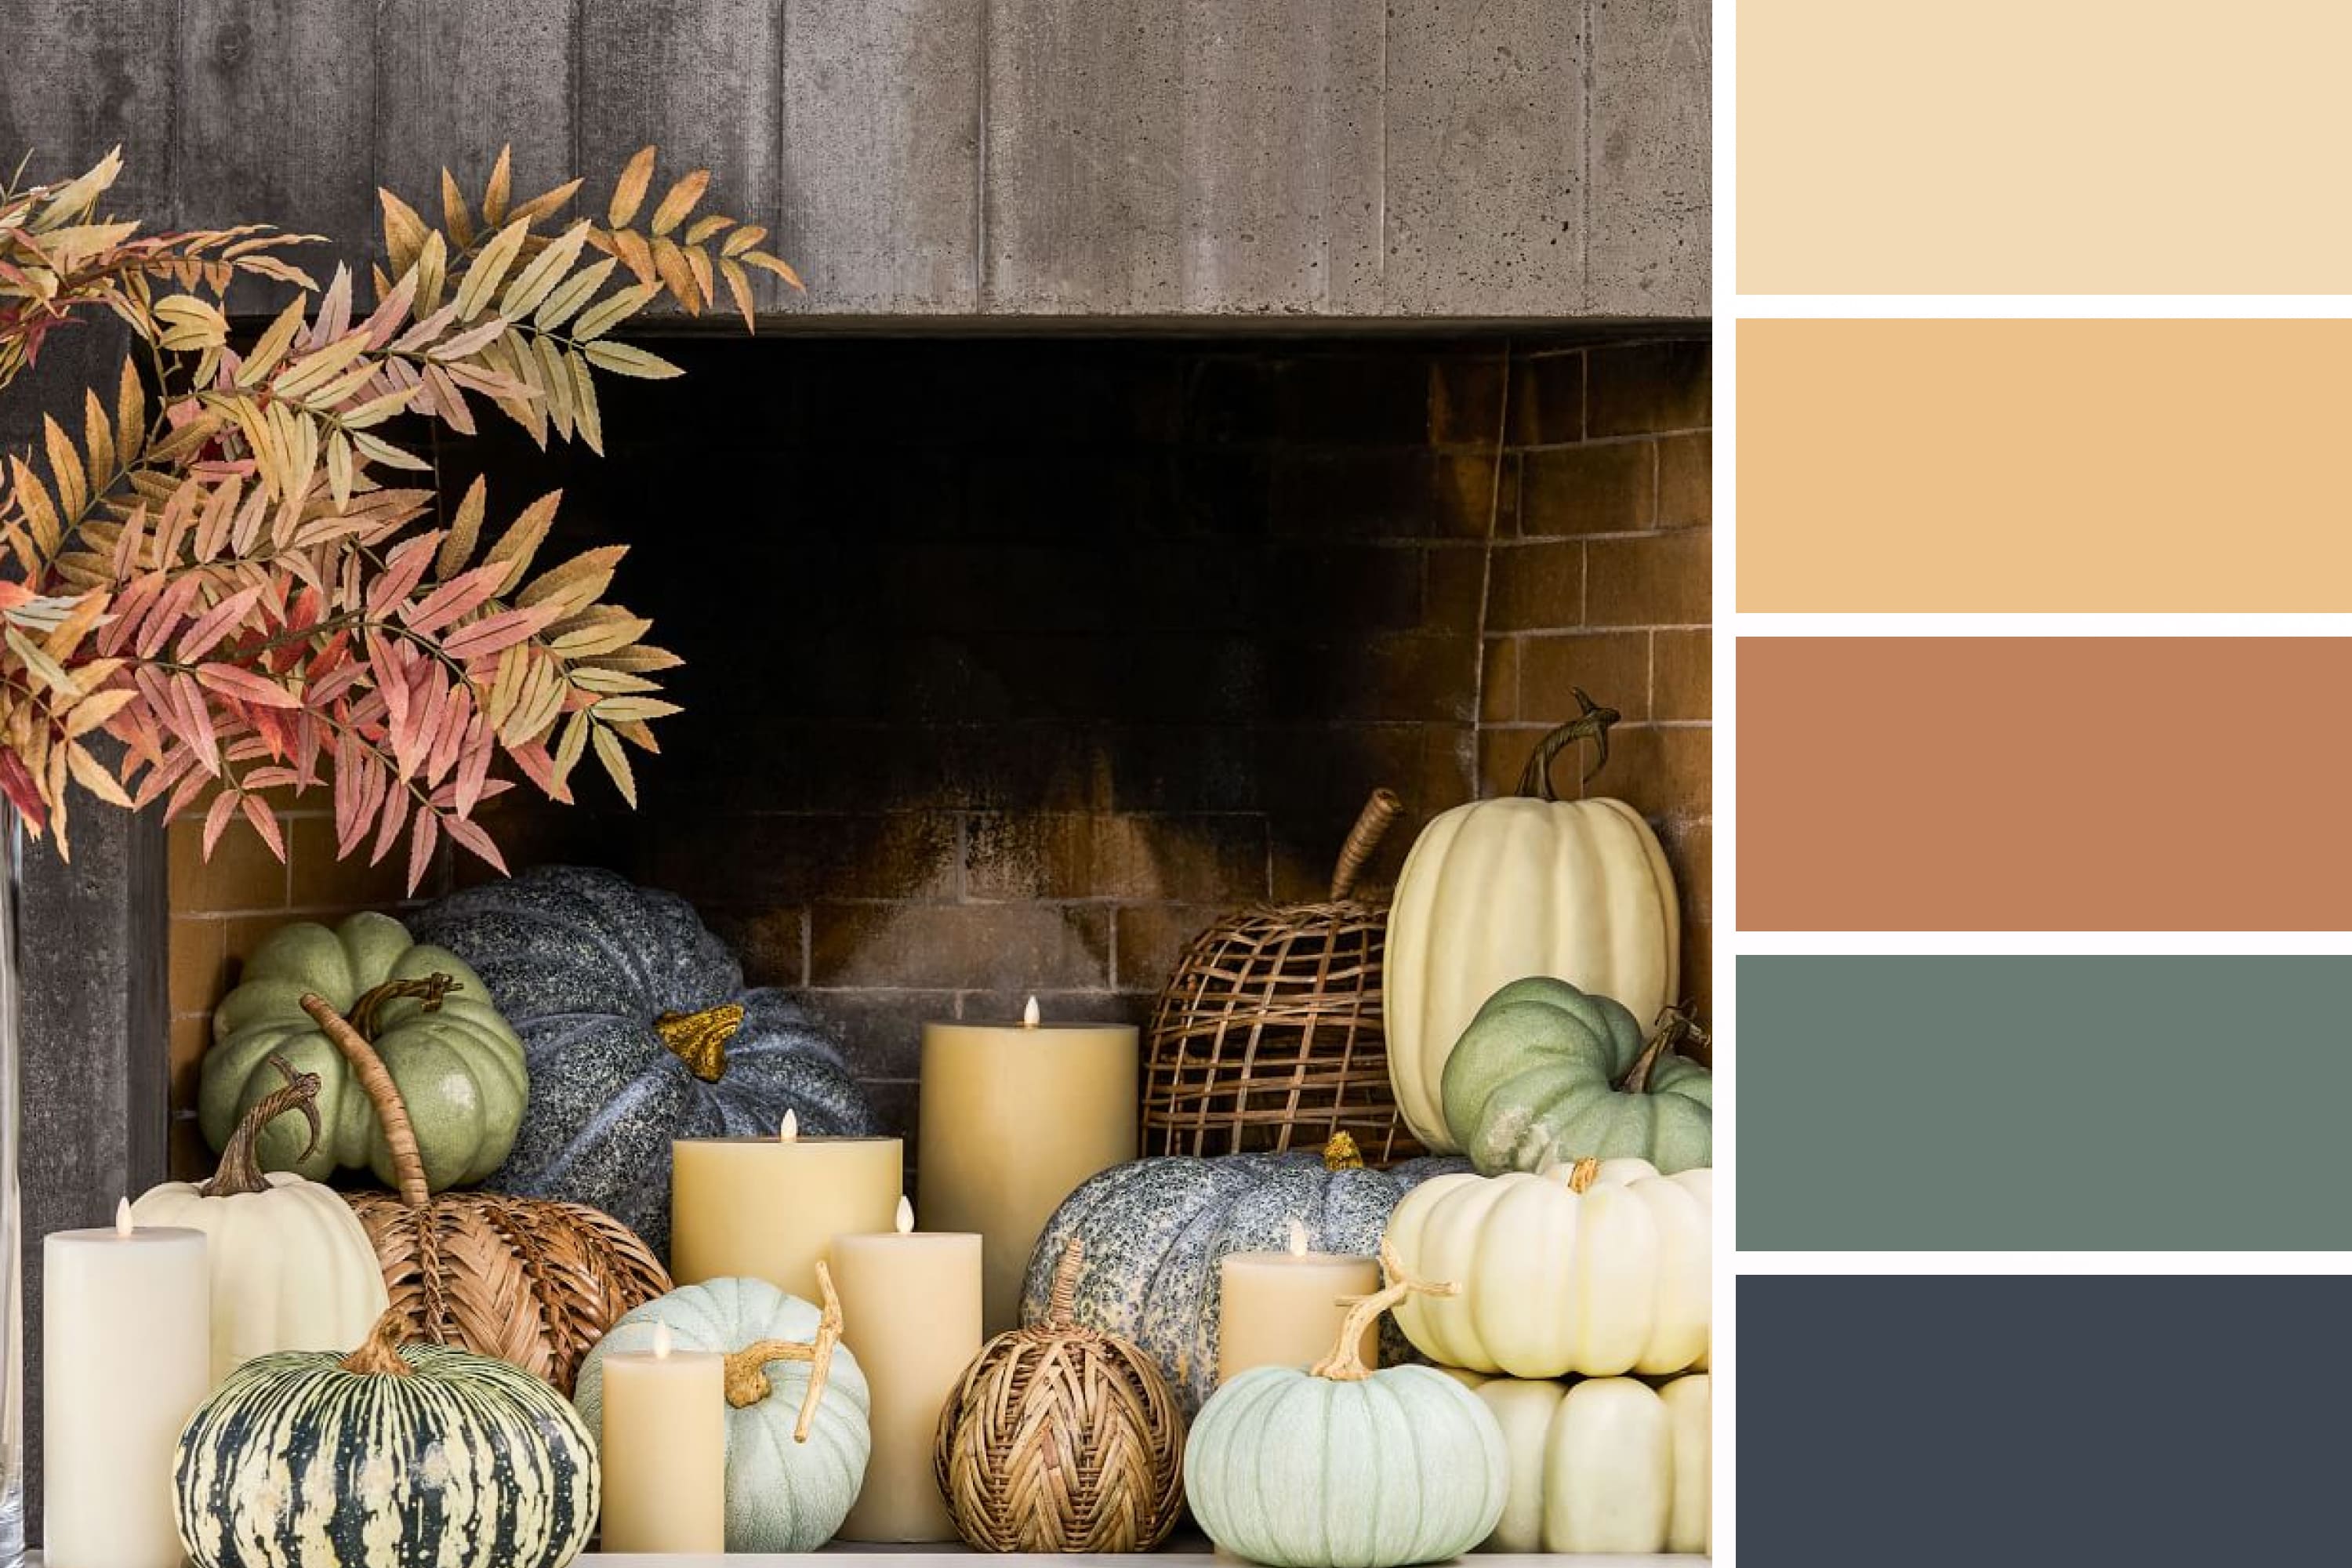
(634,253)
(739,284)
(129,403)
(65,468)
(577,582)
(454,218)
(555,379)
(97,435)
(536,281)
(490,268)
(584,412)
(404,232)
(91,775)
(548,203)
(617,765)
(568,747)
(565,301)
(606,314)
(742,239)
(680,201)
(705,226)
(32,499)
(339,468)
(464,532)
(501,186)
(523,536)
(627,359)
(767,263)
(432,274)
(670,262)
(271,346)
(629,193)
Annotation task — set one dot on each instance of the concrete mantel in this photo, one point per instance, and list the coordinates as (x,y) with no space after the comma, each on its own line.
(1382,161)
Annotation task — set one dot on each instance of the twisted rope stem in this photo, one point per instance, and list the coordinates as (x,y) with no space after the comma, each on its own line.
(240,1169)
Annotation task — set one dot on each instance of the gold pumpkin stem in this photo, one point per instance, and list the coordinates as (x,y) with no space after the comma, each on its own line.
(1371,824)
(390,1111)
(379,1355)
(1674,1025)
(1340,1153)
(747,1373)
(240,1171)
(1064,1299)
(1346,1362)
(1582,1174)
(1592,723)
(699,1039)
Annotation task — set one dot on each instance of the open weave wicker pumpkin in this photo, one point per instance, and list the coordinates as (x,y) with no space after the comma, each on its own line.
(529,1280)
(1268,1033)
(1061,1438)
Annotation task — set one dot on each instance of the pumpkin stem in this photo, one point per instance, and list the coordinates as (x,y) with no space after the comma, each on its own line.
(699,1039)
(1340,1153)
(1371,822)
(1582,1174)
(240,1171)
(1346,1362)
(1673,1026)
(747,1373)
(1064,1299)
(379,1355)
(429,990)
(390,1111)
(1592,722)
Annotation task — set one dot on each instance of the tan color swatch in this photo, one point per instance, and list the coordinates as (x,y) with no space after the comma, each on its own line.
(2021,146)
(2045,783)
(2044,464)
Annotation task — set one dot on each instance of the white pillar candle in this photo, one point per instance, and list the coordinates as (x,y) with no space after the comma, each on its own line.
(910,1313)
(126,1357)
(664,1450)
(767,1208)
(1284,1308)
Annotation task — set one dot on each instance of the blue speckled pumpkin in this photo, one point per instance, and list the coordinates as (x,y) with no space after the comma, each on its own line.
(1155,1231)
(637,1028)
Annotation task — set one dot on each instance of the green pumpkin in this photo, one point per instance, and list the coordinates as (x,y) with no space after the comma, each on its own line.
(794,1462)
(459,1067)
(1339,1467)
(1546,1074)
(387,1457)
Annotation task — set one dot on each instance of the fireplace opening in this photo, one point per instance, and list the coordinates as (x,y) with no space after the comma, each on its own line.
(1010,663)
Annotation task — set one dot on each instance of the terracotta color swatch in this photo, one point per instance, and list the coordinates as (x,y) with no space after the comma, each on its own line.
(2020,147)
(2044,464)
(2045,783)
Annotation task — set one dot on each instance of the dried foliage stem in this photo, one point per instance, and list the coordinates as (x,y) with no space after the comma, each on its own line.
(220,569)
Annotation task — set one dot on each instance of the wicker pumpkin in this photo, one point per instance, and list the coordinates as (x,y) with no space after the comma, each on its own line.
(1061,1438)
(1156,1230)
(1267,1035)
(525,1279)
(637,1030)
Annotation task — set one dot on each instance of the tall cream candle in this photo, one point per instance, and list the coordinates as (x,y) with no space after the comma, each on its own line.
(767,1208)
(910,1311)
(1283,1309)
(664,1450)
(1014,1117)
(126,1357)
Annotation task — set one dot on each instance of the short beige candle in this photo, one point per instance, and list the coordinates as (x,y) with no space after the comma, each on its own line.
(127,1356)
(910,1313)
(1014,1117)
(1283,1309)
(767,1208)
(664,1450)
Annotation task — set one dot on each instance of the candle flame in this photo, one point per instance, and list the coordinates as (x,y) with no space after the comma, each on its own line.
(661,1340)
(1030,1016)
(1297,1238)
(905,1215)
(791,1127)
(122,1225)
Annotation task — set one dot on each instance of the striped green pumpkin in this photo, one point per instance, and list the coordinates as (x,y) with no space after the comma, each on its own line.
(390,1457)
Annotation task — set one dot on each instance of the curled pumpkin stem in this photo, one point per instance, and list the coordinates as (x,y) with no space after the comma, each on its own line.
(1592,722)
(1674,1028)
(1346,1362)
(240,1169)
(746,1369)
(429,992)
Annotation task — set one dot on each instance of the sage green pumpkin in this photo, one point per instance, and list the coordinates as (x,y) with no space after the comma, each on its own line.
(1535,1080)
(1300,1470)
(459,1067)
(783,1494)
(389,1457)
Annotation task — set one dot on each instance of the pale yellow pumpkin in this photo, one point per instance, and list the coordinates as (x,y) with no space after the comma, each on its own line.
(1524,885)
(292,1268)
(1602,1465)
(1598,1268)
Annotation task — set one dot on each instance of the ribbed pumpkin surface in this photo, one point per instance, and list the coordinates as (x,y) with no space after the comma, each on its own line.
(467,1463)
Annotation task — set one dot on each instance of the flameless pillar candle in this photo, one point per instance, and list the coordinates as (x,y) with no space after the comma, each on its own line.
(910,1313)
(1014,1116)
(664,1450)
(126,1357)
(1284,1309)
(767,1208)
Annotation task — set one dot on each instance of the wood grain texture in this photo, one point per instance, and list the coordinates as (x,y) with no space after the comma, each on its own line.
(86,75)
(1649,223)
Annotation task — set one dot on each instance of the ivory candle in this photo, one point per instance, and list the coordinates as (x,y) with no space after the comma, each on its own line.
(767,1208)
(910,1313)
(1014,1116)
(1284,1308)
(664,1450)
(126,1357)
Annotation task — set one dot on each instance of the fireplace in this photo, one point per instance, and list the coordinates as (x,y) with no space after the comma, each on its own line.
(1012,661)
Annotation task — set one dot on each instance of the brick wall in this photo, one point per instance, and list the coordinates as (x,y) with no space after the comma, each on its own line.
(1013,662)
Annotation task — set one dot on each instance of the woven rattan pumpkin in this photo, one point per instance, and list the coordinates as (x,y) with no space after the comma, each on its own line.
(1268,1033)
(1061,1438)
(529,1280)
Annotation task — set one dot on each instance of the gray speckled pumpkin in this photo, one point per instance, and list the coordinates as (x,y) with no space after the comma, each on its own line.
(1155,1231)
(637,1030)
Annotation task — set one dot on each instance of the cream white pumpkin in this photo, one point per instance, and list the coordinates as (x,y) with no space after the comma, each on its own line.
(1500,890)
(1606,1464)
(292,1267)
(1598,1269)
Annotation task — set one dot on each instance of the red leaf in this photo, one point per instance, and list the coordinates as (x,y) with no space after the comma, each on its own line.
(388,823)
(215,624)
(420,847)
(404,569)
(461,595)
(216,819)
(493,634)
(17,783)
(265,822)
(246,687)
(474,767)
(471,835)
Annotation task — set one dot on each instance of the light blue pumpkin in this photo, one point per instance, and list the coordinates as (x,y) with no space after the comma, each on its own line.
(782,1494)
